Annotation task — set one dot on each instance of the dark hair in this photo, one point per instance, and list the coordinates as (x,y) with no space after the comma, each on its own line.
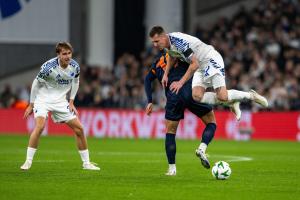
(63,45)
(156,30)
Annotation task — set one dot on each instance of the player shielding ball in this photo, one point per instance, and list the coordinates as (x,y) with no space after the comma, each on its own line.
(57,77)
(175,107)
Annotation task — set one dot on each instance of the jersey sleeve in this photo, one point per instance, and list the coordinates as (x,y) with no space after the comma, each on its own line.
(46,70)
(180,47)
(148,84)
(76,67)
(75,83)
(77,72)
(34,90)
(42,75)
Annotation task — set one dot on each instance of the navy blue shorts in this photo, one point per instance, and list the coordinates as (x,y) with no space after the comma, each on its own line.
(177,103)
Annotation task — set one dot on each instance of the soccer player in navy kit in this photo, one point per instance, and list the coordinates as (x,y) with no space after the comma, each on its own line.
(175,106)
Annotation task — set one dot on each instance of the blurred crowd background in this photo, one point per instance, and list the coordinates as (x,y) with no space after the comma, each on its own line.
(261,51)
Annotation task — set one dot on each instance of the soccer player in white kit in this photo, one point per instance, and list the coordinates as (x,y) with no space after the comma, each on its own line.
(206,67)
(57,77)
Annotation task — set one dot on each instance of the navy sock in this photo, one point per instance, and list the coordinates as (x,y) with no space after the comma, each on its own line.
(170,146)
(208,133)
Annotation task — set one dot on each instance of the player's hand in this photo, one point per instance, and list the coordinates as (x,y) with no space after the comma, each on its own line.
(28,111)
(164,81)
(176,86)
(149,108)
(72,108)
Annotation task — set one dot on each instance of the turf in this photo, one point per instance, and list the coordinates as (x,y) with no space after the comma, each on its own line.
(134,169)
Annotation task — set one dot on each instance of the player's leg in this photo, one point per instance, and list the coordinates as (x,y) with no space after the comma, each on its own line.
(216,65)
(213,76)
(208,134)
(225,95)
(33,141)
(229,96)
(199,86)
(174,112)
(205,112)
(233,97)
(170,145)
(77,127)
(216,76)
(61,113)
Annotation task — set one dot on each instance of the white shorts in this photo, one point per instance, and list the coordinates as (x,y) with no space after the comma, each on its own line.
(60,112)
(211,72)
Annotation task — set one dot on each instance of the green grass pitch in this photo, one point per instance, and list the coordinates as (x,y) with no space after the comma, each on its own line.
(134,169)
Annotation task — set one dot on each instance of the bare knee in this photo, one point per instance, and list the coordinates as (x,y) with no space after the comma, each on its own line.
(222,97)
(222,94)
(197,95)
(78,130)
(209,118)
(39,127)
(171,126)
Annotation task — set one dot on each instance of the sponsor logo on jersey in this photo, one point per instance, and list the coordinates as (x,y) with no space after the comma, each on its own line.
(63,81)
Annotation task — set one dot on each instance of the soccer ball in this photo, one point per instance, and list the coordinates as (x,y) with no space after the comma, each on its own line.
(221,170)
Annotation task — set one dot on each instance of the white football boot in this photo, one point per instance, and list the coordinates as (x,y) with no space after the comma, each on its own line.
(26,165)
(90,166)
(259,99)
(171,171)
(235,108)
(204,161)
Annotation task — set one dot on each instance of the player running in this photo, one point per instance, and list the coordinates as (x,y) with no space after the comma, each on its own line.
(57,77)
(206,66)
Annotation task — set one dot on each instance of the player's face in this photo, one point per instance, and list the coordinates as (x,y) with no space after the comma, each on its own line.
(160,41)
(65,56)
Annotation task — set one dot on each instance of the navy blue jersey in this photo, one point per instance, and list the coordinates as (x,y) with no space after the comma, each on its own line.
(160,63)
(176,103)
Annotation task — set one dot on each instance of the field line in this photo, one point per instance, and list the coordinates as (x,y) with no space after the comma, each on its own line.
(228,158)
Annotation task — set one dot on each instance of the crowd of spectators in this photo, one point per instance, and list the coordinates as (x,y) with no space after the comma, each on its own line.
(261,51)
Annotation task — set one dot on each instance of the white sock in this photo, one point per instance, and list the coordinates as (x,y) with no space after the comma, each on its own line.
(30,154)
(233,95)
(209,98)
(203,147)
(85,157)
(172,166)
(238,95)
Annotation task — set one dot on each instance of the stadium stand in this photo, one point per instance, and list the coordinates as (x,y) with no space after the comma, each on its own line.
(260,47)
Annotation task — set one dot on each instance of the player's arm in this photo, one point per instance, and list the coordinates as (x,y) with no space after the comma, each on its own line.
(148,89)
(170,63)
(34,90)
(74,89)
(176,85)
(191,70)
(36,85)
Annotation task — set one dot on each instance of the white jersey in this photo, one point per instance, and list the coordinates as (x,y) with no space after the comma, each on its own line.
(56,81)
(183,46)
